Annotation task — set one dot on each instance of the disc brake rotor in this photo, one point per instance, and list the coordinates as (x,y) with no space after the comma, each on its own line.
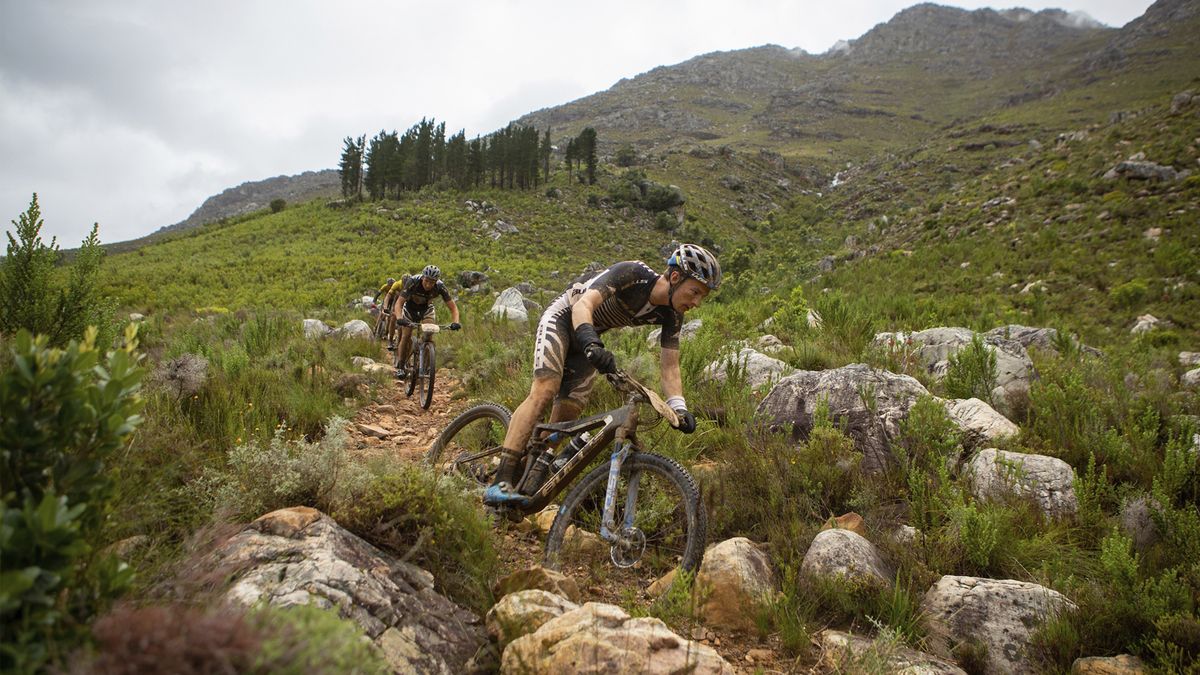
(628,551)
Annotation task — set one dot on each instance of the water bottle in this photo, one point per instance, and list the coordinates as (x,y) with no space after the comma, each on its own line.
(573,448)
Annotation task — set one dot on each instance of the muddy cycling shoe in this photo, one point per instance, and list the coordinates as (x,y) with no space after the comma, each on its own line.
(401,373)
(502,494)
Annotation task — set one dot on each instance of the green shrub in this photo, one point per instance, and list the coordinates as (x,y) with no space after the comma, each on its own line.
(278,204)
(1129,294)
(33,301)
(77,411)
(429,520)
(972,372)
(286,472)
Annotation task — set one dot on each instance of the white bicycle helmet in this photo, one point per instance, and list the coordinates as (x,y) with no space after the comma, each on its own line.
(431,271)
(697,263)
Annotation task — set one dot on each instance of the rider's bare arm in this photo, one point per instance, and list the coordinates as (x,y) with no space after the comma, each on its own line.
(672,381)
(581,311)
(453,310)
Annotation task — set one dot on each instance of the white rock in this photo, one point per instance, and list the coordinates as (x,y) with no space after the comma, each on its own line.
(135,317)
(1048,480)
(523,612)
(356,328)
(759,369)
(509,305)
(1187,359)
(315,328)
(1145,323)
(842,553)
(686,332)
(1001,614)
(845,653)
(1191,379)
(981,422)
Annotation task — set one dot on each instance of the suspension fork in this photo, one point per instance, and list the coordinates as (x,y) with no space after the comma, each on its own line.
(608,526)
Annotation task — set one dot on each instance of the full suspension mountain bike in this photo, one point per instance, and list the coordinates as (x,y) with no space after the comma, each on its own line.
(642,509)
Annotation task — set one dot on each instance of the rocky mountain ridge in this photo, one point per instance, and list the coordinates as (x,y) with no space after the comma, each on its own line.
(255,195)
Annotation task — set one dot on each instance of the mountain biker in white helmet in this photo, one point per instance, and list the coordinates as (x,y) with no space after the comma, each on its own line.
(568,351)
(417,296)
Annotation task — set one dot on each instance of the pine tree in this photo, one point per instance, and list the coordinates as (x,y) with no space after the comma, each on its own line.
(350,168)
(545,151)
(587,142)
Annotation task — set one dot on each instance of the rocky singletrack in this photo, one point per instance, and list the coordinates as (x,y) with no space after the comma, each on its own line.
(394,425)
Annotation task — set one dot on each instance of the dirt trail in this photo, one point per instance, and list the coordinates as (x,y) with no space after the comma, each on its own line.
(407,432)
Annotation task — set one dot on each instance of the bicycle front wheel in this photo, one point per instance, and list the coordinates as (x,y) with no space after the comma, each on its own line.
(668,523)
(414,359)
(427,376)
(470,444)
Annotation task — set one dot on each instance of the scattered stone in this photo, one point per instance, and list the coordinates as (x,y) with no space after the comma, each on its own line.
(1191,379)
(732,182)
(356,328)
(845,653)
(315,328)
(1152,233)
(814,320)
(758,369)
(1048,480)
(980,421)
(871,424)
(469,278)
(826,264)
(907,535)
(842,553)
(300,556)
(509,305)
(135,317)
(1035,338)
(734,577)
(1125,664)
(1000,614)
(769,344)
(1039,286)
(523,612)
(847,521)
(1187,359)
(1139,170)
(544,519)
(385,409)
(538,577)
(129,546)
(373,430)
(759,655)
(1182,100)
(1145,323)
(605,639)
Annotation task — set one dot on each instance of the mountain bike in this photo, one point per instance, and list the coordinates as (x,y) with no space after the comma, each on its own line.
(381,324)
(645,508)
(421,366)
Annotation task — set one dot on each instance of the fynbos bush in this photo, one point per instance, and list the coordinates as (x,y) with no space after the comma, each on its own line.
(972,372)
(76,411)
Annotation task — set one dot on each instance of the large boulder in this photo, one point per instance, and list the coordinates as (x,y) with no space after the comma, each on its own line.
(872,424)
(844,554)
(299,556)
(509,305)
(735,577)
(600,638)
(1189,359)
(315,328)
(935,346)
(980,422)
(1049,481)
(356,328)
(758,368)
(846,653)
(523,612)
(1043,339)
(999,614)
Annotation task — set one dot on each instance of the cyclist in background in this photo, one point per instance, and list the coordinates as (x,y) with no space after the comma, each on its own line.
(417,294)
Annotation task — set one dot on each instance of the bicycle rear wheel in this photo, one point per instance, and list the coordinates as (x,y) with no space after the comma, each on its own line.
(669,522)
(427,366)
(470,444)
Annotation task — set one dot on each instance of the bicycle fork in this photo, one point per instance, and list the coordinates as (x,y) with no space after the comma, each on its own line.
(608,526)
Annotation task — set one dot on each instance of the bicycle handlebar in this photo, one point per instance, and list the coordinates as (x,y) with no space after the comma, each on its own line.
(621,381)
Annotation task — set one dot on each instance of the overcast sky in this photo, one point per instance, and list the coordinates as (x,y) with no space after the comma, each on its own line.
(131,113)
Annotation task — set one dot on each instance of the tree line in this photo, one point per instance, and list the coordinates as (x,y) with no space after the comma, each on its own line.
(515,157)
